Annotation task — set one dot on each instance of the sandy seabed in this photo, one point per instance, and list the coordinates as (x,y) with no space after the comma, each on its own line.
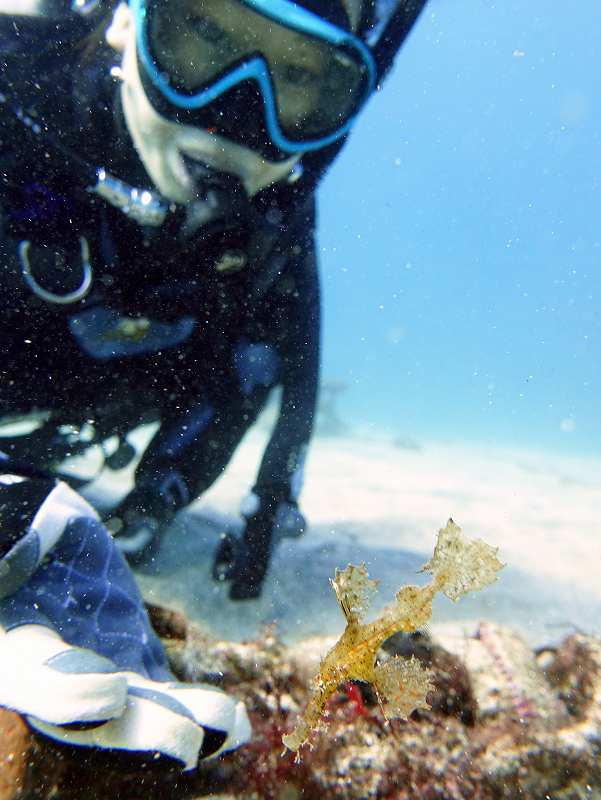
(369,499)
(505,721)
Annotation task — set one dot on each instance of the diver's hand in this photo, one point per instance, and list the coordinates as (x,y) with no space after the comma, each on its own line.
(78,656)
(141,519)
(244,560)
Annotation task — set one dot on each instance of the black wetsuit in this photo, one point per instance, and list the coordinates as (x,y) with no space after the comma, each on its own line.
(168,329)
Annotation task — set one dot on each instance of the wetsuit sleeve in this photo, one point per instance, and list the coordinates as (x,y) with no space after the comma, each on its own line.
(279,480)
(20,500)
(34,509)
(280,473)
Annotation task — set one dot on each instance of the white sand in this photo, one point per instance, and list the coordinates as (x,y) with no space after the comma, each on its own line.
(369,500)
(542,513)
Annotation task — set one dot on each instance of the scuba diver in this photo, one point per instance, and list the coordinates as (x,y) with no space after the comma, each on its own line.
(159,162)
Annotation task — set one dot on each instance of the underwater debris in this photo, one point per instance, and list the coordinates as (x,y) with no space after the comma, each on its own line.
(458,566)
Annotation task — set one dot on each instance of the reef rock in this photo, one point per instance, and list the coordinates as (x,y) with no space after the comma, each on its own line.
(505,722)
(506,679)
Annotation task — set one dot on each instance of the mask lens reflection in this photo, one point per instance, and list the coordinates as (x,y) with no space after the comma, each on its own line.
(316,85)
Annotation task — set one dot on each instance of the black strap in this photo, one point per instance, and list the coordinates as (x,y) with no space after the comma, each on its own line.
(11,466)
(391,39)
(395,33)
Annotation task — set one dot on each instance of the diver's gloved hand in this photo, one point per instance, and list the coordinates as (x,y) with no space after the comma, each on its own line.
(78,697)
(189,723)
(139,522)
(78,656)
(244,560)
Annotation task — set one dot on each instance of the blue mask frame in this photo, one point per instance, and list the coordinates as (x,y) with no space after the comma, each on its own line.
(256,69)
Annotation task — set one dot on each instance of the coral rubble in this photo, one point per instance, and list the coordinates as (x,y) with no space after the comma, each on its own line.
(503,722)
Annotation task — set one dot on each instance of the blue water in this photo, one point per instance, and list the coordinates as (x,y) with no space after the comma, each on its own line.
(461,234)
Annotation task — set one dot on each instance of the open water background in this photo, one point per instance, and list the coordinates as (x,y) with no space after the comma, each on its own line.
(460,233)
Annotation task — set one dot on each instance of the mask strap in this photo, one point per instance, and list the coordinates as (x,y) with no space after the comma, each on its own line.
(394,34)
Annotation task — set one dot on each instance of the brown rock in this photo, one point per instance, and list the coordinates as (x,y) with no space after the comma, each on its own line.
(168,624)
(15,752)
(505,723)
(505,676)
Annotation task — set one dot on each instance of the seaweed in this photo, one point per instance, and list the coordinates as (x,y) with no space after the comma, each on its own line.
(459,565)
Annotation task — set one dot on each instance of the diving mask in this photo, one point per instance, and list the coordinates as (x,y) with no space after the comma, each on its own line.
(313,77)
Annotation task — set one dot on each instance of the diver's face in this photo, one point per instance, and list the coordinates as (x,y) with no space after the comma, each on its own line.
(202,36)
(166,148)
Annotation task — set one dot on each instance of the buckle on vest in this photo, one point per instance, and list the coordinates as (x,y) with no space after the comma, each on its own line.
(52,297)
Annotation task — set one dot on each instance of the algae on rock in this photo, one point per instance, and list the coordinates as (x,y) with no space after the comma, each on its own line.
(458,566)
